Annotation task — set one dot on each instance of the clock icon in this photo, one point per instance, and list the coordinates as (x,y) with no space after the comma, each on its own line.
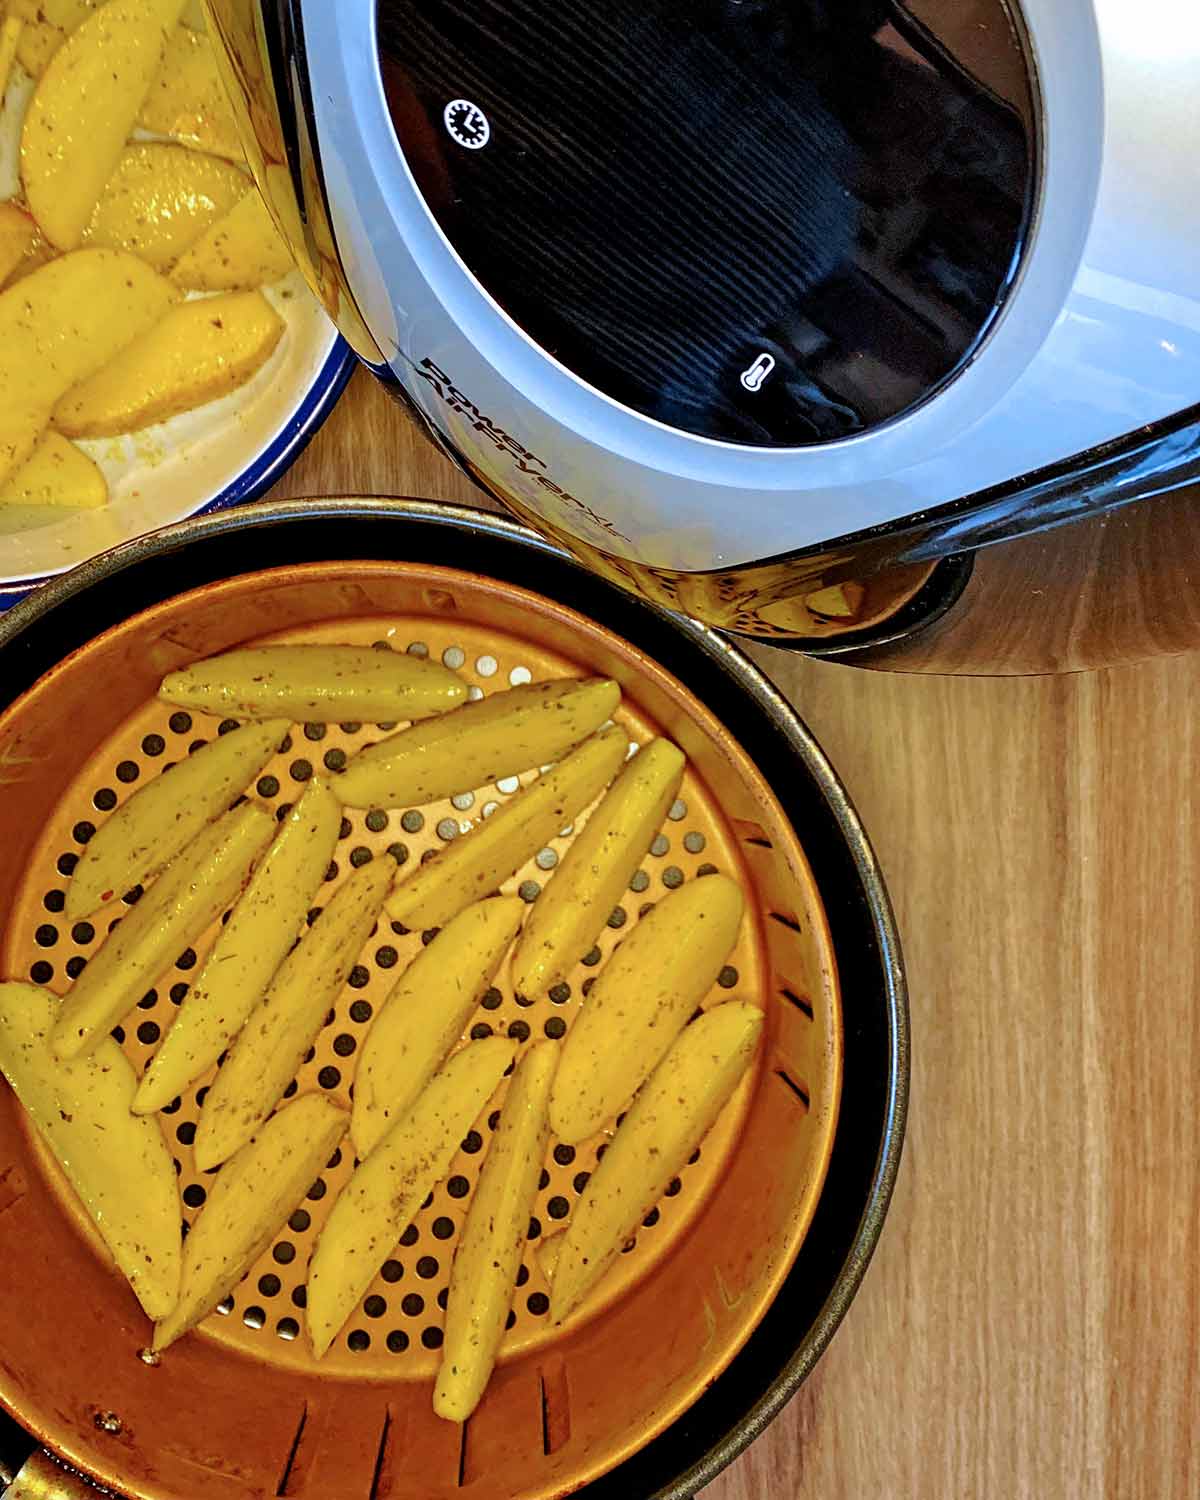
(467,124)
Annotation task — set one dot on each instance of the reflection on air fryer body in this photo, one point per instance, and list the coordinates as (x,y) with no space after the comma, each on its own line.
(766,223)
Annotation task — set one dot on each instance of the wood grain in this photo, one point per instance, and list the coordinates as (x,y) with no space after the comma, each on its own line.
(1030,1325)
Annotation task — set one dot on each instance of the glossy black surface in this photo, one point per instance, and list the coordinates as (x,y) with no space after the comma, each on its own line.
(769,222)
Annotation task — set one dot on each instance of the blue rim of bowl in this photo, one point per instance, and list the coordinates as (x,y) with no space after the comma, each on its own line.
(270,464)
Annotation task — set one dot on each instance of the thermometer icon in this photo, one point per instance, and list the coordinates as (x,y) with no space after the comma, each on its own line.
(753,376)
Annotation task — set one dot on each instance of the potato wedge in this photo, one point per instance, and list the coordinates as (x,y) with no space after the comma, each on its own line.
(46,26)
(267,920)
(379,1201)
(187,101)
(475,865)
(243,250)
(56,473)
(84,108)
(480,742)
(642,1001)
(36,45)
(484,1277)
(161,818)
(198,352)
(666,1122)
(188,896)
(118,1165)
(285,1023)
(58,326)
(595,871)
(161,199)
(248,1205)
(316,684)
(17,235)
(10,37)
(425,1013)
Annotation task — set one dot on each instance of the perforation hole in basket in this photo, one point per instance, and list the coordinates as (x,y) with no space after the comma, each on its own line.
(398,1325)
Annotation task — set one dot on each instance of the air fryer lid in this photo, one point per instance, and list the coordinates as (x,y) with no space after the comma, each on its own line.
(768,222)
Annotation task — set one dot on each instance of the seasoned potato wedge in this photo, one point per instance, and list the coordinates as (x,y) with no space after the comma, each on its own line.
(56,473)
(317,684)
(10,37)
(187,101)
(666,1122)
(46,26)
(243,250)
(36,45)
(489,1253)
(285,1023)
(641,1002)
(161,199)
(476,864)
(200,350)
(267,920)
(480,742)
(61,324)
(425,1014)
(188,896)
(17,235)
(118,1165)
(248,1204)
(84,108)
(379,1201)
(595,871)
(162,817)
(21,427)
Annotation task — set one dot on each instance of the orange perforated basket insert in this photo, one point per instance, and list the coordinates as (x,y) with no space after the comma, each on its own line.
(241,1407)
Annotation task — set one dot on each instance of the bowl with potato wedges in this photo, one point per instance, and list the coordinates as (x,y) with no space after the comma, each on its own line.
(160,355)
(454,1030)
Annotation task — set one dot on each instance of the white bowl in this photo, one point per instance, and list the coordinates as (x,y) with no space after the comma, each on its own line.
(220,454)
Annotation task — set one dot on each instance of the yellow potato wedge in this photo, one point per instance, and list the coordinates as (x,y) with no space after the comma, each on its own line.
(243,250)
(198,352)
(489,1253)
(17,235)
(161,818)
(187,101)
(46,24)
(118,1165)
(56,473)
(474,865)
(161,199)
(595,872)
(666,1122)
(316,684)
(188,896)
(642,1001)
(84,107)
(248,1205)
(10,37)
(425,1014)
(480,742)
(285,1023)
(380,1200)
(58,326)
(37,45)
(267,920)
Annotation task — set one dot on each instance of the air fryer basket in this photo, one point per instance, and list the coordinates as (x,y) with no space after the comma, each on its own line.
(616,1398)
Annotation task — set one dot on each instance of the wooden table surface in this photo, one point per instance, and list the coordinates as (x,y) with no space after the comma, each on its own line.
(1030,1326)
